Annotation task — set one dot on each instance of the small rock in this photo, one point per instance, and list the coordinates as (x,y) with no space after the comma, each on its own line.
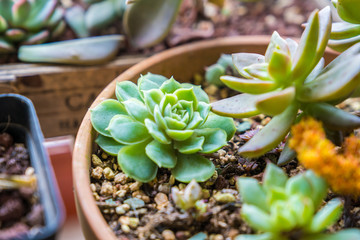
(168,235)
(125,228)
(121,178)
(211,89)
(93,187)
(161,200)
(96,161)
(104,155)
(135,186)
(135,203)
(29,171)
(216,237)
(172,180)
(121,193)
(107,189)
(97,172)
(134,222)
(224,197)
(108,173)
(164,188)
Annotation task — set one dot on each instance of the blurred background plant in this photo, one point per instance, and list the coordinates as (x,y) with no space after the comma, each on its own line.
(346,33)
(291,77)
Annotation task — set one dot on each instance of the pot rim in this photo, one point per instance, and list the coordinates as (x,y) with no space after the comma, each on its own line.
(85,136)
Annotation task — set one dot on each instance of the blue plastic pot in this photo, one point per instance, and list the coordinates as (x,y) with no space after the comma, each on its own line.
(18,117)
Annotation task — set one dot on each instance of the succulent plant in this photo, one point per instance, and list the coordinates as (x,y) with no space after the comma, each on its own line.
(285,208)
(24,22)
(347,33)
(215,71)
(99,14)
(161,123)
(291,77)
(188,197)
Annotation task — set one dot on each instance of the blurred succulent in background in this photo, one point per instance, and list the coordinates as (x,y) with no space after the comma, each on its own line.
(161,123)
(345,34)
(188,197)
(215,71)
(291,77)
(24,22)
(316,152)
(285,208)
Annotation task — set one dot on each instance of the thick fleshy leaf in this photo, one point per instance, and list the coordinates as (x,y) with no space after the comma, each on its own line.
(204,110)
(327,215)
(195,121)
(56,17)
(299,185)
(179,135)
(252,86)
(215,138)
(126,130)
(41,11)
(239,106)
(199,93)
(174,124)
(191,145)
(276,42)
(287,154)
(306,51)
(319,188)
(279,66)
(271,135)
(258,71)
(153,24)
(166,100)
(193,166)
(96,21)
(242,60)
(5,8)
(156,132)
(150,81)
(58,29)
(126,90)
(343,44)
(136,164)
(170,86)
(256,218)
(316,71)
(85,51)
(274,103)
(333,117)
(292,45)
(187,95)
(103,113)
(302,208)
(6,47)
(152,98)
(20,11)
(343,30)
(3,24)
(137,109)
(213,74)
(348,10)
(274,177)
(159,119)
(264,236)
(109,145)
(225,123)
(252,193)
(15,34)
(332,83)
(37,38)
(75,17)
(325,21)
(161,154)
(348,234)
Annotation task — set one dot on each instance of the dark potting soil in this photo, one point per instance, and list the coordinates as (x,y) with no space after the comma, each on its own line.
(20,209)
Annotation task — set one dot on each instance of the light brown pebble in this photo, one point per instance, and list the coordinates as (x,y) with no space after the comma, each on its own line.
(133,222)
(168,235)
(216,237)
(97,172)
(224,197)
(108,173)
(96,161)
(224,93)
(96,196)
(93,187)
(211,89)
(135,186)
(205,193)
(107,189)
(121,178)
(161,200)
(121,193)
(164,188)
(233,233)
(171,180)
(125,228)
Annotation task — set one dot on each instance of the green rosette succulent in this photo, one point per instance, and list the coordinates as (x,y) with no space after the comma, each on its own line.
(161,123)
(25,22)
(215,71)
(346,33)
(292,77)
(283,208)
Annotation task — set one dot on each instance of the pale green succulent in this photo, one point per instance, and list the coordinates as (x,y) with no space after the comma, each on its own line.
(188,197)
(215,71)
(283,208)
(24,22)
(289,78)
(347,33)
(161,123)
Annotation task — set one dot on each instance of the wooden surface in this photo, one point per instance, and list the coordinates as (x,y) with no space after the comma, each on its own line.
(182,63)
(61,94)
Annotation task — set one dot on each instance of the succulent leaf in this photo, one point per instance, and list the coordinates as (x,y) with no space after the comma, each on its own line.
(161,154)
(274,177)
(86,51)
(274,103)
(103,113)
(5,46)
(342,30)
(3,24)
(319,188)
(348,10)
(109,145)
(150,81)
(212,136)
(40,12)
(199,93)
(131,157)
(251,86)
(341,45)
(276,42)
(137,109)
(94,20)
(215,121)
(259,71)
(191,145)
(348,234)
(239,106)
(271,135)
(264,236)
(242,60)
(252,193)
(153,24)
(156,132)
(256,218)
(20,11)
(279,67)
(75,17)
(193,166)
(127,90)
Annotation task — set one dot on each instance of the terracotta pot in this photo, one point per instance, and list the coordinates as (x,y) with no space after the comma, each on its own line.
(182,63)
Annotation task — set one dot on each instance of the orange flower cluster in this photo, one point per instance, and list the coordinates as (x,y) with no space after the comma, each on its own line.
(314,151)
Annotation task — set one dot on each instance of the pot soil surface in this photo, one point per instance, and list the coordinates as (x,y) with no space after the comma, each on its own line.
(146,211)
(20,208)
